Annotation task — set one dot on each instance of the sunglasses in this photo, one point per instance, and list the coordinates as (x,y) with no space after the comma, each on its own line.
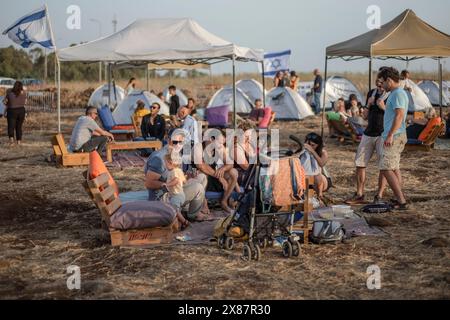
(175,142)
(154,108)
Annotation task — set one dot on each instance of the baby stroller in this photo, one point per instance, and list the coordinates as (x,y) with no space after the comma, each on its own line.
(263,214)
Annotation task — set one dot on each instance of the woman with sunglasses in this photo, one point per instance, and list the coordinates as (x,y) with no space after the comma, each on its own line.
(314,158)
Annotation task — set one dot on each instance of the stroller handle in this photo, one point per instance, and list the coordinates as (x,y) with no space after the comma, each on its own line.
(298,141)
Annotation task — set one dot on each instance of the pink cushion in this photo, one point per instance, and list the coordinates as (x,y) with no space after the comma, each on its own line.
(264,123)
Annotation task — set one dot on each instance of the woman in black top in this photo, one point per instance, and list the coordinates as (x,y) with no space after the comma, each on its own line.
(15,111)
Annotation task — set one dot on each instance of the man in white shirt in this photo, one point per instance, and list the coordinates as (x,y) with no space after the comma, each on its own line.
(190,125)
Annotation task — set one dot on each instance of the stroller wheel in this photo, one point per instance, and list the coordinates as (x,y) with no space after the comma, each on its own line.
(296,249)
(221,241)
(287,249)
(256,252)
(246,253)
(229,243)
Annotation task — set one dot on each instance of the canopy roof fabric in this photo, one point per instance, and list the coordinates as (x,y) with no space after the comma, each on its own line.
(166,40)
(405,36)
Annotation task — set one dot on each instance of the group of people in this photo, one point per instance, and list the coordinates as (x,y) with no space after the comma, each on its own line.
(386,135)
(166,175)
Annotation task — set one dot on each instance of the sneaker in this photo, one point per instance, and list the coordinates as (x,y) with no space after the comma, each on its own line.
(355,199)
(400,207)
(377,200)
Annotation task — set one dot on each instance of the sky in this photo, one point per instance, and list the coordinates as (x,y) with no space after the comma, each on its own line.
(305,27)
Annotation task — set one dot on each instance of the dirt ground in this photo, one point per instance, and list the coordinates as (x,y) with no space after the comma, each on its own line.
(47,223)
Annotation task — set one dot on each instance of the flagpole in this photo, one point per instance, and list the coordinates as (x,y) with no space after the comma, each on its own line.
(58,67)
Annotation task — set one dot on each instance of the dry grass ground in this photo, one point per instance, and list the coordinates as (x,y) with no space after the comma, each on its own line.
(48,223)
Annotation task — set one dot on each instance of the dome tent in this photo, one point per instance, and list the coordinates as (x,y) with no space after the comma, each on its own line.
(337,87)
(122,114)
(431,89)
(288,104)
(180,94)
(420,99)
(252,88)
(99,97)
(340,87)
(2,107)
(224,97)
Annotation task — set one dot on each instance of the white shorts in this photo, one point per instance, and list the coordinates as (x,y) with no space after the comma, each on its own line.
(366,149)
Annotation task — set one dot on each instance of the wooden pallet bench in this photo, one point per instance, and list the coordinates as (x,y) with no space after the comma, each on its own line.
(131,145)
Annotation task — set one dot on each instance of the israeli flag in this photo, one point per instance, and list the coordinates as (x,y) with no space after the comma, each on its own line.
(276,61)
(34,28)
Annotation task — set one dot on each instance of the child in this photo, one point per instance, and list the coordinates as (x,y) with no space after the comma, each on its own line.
(174,184)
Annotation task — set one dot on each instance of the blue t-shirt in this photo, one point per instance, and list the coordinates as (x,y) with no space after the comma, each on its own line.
(398,99)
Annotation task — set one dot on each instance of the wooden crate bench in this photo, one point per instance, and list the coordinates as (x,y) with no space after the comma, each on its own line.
(131,145)
(104,197)
(65,158)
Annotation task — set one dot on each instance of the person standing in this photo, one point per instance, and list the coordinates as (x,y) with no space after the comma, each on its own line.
(278,81)
(317,90)
(131,86)
(174,103)
(293,81)
(14,102)
(371,142)
(394,133)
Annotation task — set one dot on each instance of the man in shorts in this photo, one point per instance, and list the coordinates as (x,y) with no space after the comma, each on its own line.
(371,142)
(394,134)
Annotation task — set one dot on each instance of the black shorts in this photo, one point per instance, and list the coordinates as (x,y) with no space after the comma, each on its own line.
(214,185)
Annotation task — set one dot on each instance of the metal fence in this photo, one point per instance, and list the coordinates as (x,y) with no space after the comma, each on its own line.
(41,101)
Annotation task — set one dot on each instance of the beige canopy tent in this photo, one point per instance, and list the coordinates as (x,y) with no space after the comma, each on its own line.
(407,38)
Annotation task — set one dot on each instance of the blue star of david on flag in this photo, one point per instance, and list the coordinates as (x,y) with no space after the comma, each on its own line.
(276,61)
(31,29)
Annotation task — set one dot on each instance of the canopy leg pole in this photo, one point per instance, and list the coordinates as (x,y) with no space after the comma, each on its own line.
(263,83)
(324,94)
(109,85)
(234,93)
(440,87)
(59,94)
(211,79)
(370,74)
(146,76)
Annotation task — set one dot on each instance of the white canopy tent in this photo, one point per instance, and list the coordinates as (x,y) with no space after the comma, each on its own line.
(161,41)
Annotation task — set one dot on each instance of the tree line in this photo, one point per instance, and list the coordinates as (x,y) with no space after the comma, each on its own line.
(18,64)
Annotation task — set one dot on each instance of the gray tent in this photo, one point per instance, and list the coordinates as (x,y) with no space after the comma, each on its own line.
(431,89)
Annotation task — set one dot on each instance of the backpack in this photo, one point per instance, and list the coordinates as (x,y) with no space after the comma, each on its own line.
(327,231)
(377,208)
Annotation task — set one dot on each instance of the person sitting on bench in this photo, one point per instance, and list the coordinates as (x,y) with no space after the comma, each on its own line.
(87,135)
(257,114)
(153,125)
(416,126)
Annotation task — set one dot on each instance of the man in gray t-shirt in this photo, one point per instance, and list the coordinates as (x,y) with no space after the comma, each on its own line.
(87,136)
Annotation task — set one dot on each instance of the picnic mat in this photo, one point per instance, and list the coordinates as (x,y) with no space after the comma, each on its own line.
(354,225)
(126,159)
